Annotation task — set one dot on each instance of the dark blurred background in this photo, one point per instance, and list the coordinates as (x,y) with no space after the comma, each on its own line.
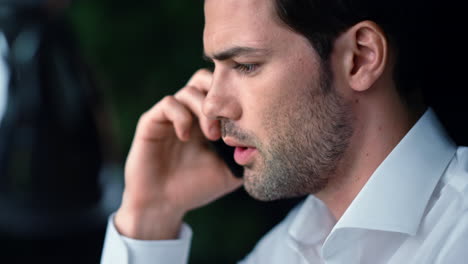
(96,65)
(79,75)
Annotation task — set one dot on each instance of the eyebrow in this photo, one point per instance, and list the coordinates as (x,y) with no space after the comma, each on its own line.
(235,52)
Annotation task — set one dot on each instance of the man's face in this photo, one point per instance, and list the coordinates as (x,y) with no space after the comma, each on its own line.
(273,95)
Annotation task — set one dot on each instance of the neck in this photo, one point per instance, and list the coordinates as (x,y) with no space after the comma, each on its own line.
(379,127)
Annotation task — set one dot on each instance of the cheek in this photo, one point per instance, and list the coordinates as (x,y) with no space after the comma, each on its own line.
(256,106)
(287,89)
(271,112)
(268,100)
(259,106)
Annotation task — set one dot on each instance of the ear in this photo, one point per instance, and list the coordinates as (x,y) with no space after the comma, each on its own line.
(364,49)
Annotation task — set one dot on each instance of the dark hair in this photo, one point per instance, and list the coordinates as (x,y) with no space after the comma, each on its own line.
(321,22)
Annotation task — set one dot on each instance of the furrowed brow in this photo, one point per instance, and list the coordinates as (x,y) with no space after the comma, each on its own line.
(235,52)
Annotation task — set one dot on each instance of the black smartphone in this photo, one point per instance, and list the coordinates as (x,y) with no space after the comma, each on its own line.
(226,153)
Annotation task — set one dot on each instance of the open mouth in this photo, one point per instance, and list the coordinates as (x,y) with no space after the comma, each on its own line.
(243,155)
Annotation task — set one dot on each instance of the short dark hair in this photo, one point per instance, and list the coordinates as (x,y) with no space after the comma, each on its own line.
(322,21)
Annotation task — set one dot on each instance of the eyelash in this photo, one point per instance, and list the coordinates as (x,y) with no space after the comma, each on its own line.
(245,68)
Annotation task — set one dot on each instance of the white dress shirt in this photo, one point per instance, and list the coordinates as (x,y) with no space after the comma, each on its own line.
(413,209)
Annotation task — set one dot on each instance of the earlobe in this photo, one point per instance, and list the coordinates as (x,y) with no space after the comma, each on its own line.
(367,55)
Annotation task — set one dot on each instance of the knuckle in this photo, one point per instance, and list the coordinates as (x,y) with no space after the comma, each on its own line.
(168,99)
(199,75)
(190,90)
(187,93)
(187,119)
(143,120)
(144,116)
(203,71)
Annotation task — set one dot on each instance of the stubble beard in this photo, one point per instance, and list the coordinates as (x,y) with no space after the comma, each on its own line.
(307,141)
(304,154)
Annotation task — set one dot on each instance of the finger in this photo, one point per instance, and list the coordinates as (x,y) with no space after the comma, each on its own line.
(201,80)
(193,99)
(154,123)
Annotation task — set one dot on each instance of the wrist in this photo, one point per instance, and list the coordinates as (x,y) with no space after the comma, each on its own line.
(156,223)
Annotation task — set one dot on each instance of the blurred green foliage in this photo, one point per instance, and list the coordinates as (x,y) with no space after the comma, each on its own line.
(141,51)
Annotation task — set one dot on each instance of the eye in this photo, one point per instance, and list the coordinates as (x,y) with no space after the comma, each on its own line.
(246,68)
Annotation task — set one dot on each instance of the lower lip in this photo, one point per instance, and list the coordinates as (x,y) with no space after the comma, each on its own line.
(243,155)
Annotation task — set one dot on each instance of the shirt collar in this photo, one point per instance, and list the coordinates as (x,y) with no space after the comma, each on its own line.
(396,195)
(312,222)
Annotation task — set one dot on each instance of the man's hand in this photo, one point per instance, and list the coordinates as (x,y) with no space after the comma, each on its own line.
(170,168)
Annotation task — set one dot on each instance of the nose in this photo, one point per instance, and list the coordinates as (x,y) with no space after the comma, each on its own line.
(221,102)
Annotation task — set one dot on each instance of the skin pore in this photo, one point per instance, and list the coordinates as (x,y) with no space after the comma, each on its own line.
(318,128)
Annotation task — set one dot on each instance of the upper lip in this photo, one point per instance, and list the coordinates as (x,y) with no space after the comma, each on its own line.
(233,143)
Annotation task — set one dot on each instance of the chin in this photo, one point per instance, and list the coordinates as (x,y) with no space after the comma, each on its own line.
(267,187)
(260,188)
